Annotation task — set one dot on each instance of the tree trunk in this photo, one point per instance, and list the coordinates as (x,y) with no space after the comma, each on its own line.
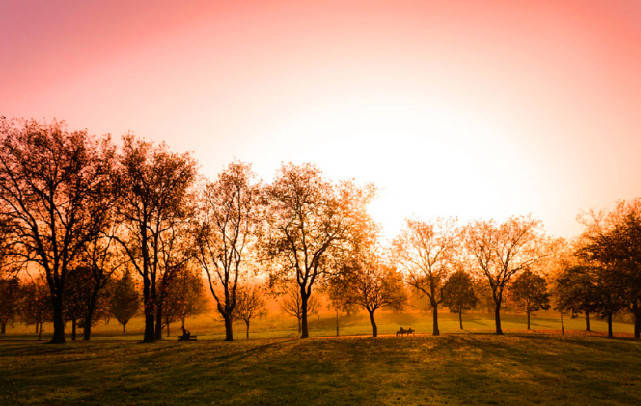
(73,329)
(298,320)
(337,332)
(562,325)
(3,328)
(587,321)
(610,334)
(303,319)
(158,328)
(460,319)
(373,323)
(91,309)
(229,328)
(637,319)
(168,331)
(149,313)
(497,318)
(435,330)
(247,329)
(528,319)
(58,320)
(39,330)
(124,330)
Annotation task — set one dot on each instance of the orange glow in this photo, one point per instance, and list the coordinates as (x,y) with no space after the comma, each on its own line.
(473,109)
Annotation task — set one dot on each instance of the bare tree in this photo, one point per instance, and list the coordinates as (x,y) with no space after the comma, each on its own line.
(426,252)
(54,185)
(250,304)
(155,185)
(225,229)
(311,222)
(500,251)
(292,304)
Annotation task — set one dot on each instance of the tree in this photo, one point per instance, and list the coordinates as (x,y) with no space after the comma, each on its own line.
(250,304)
(185,297)
(311,222)
(292,304)
(612,243)
(426,252)
(77,292)
(101,261)
(500,251)
(225,229)
(576,291)
(155,186)
(459,295)
(529,291)
(373,285)
(54,184)
(9,301)
(35,307)
(124,300)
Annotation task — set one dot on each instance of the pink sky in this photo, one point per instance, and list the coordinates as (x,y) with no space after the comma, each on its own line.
(474,109)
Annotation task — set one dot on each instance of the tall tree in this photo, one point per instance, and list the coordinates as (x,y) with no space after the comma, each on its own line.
(311,222)
(155,186)
(124,300)
(500,251)
(250,305)
(426,252)
(226,228)
(54,185)
(529,291)
(459,295)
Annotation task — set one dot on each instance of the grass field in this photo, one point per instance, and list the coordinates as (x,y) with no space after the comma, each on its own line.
(472,367)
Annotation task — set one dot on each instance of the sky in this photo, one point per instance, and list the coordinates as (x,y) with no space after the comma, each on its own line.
(474,109)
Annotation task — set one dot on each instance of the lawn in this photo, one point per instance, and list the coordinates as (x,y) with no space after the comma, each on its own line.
(465,368)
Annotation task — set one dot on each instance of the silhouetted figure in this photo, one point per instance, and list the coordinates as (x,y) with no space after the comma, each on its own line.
(186,336)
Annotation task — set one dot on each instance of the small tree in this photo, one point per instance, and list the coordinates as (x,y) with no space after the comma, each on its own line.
(292,304)
(35,307)
(529,291)
(459,295)
(185,296)
(9,301)
(124,300)
(576,292)
(250,304)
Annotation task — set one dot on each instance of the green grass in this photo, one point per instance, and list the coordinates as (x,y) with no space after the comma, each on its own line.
(274,367)
(468,368)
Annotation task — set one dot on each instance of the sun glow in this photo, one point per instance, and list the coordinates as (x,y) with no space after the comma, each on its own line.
(425,160)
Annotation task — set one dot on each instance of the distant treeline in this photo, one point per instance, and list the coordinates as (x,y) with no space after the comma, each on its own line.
(89,230)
